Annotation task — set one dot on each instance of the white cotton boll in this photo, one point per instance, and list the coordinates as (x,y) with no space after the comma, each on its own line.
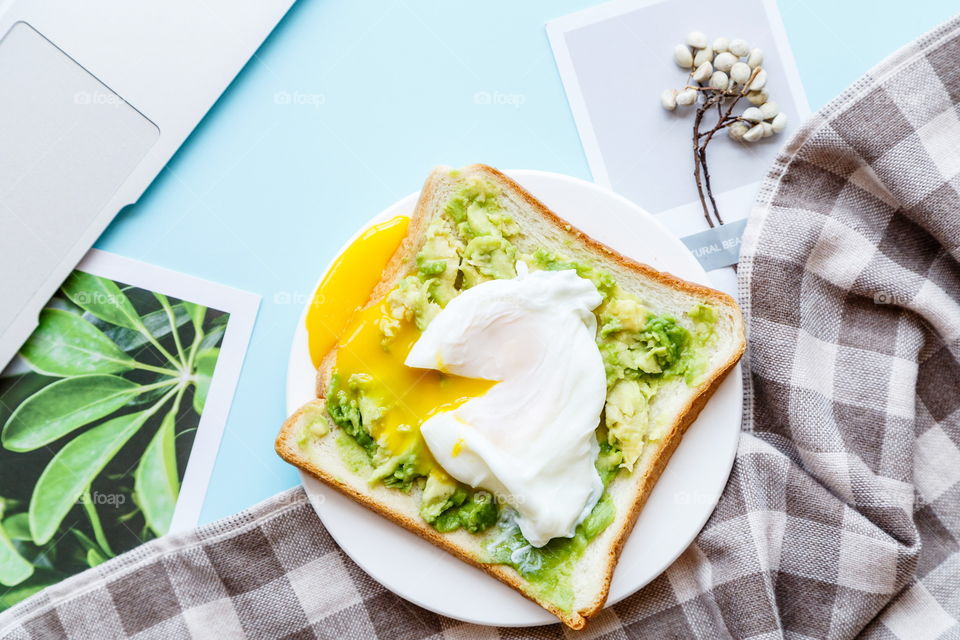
(682,56)
(759,80)
(779,122)
(687,97)
(703,55)
(752,114)
(724,61)
(721,44)
(703,72)
(755,59)
(736,131)
(767,129)
(669,99)
(739,47)
(719,81)
(757,98)
(696,39)
(753,134)
(769,110)
(740,72)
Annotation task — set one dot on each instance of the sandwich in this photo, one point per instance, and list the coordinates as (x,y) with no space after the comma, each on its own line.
(510,389)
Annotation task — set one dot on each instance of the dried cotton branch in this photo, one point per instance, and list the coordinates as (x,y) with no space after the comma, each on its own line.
(719,75)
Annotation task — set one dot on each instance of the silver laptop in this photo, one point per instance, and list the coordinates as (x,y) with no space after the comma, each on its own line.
(95,97)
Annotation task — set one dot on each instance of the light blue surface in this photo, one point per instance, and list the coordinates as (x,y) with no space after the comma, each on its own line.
(264,193)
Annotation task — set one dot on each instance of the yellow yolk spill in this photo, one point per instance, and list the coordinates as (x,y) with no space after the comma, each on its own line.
(348,283)
(408,396)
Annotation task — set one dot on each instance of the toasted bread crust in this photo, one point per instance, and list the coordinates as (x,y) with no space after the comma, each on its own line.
(403,262)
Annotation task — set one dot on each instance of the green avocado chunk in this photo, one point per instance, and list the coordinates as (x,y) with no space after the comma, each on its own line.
(343,405)
(488,257)
(549,261)
(448,505)
(312,424)
(439,494)
(628,418)
(704,319)
(475,512)
(397,471)
(356,457)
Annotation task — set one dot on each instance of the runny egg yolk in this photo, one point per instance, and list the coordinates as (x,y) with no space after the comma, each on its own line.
(408,396)
(347,284)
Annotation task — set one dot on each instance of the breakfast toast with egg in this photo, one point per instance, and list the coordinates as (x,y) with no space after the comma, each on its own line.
(666,345)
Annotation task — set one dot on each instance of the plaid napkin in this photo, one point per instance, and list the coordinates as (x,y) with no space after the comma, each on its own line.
(842,514)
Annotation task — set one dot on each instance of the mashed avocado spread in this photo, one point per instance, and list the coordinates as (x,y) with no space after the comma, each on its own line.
(473,241)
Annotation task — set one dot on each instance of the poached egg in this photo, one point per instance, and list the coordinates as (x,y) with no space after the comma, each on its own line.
(530,439)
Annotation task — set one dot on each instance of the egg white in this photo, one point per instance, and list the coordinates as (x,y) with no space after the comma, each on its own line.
(531,438)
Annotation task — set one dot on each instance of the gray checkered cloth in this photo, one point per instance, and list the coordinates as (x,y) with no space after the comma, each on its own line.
(842,515)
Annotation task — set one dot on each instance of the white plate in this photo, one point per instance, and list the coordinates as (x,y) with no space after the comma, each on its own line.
(677,508)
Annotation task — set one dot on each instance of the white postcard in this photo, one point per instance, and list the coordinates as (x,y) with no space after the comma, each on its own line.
(616,59)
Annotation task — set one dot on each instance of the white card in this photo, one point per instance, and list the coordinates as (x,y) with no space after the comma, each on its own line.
(616,59)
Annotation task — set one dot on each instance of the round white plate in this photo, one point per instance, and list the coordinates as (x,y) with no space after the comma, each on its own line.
(675,512)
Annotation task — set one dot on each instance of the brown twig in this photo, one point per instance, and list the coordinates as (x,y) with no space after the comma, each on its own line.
(706,181)
(724,120)
(697,161)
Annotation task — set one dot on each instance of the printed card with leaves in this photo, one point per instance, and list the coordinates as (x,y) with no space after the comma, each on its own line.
(111,416)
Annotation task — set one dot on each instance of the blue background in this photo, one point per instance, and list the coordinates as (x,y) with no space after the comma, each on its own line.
(263,193)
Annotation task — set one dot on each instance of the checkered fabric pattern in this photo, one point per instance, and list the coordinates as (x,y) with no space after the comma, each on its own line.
(842,515)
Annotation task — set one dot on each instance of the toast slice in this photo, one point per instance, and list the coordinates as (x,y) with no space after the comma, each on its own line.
(309,438)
